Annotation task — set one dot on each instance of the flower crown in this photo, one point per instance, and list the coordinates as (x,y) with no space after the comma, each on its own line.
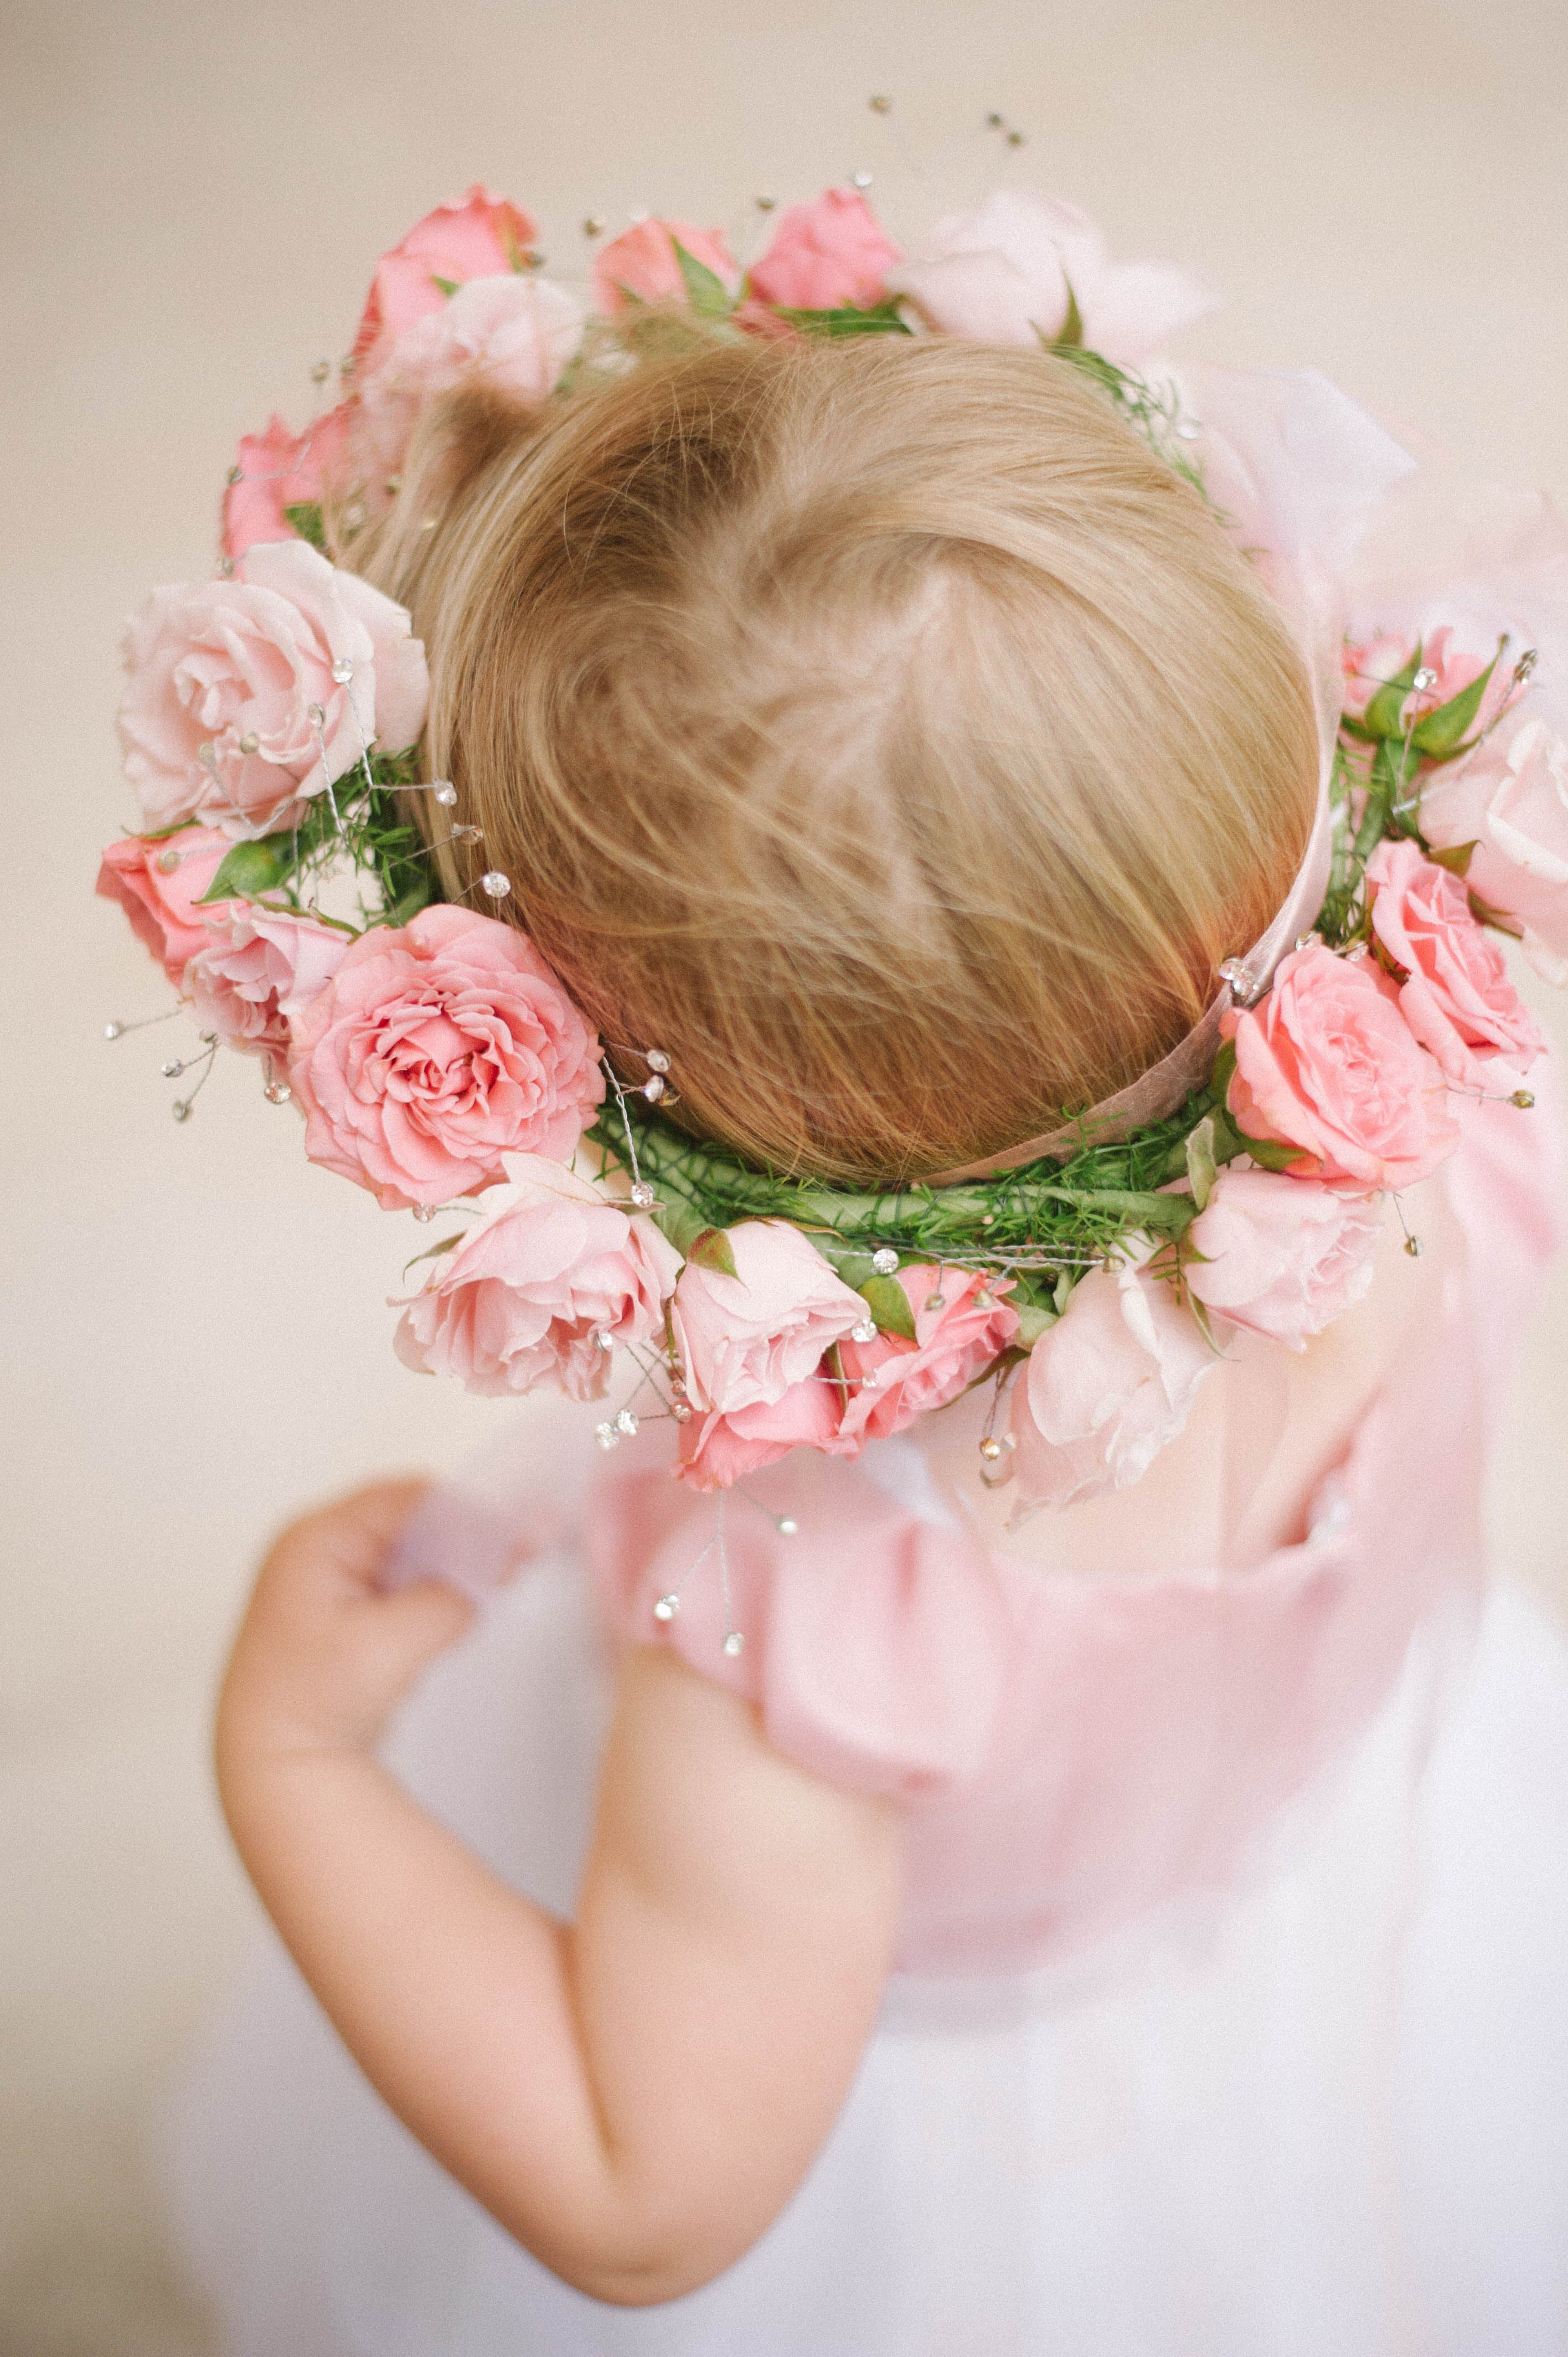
(271,731)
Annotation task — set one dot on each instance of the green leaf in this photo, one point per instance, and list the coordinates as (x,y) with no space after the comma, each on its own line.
(1440,733)
(1384,716)
(1201,1166)
(707,295)
(434,1251)
(449,286)
(305,515)
(711,1249)
(1454,857)
(890,1305)
(251,868)
(1071,332)
(1269,1155)
(408,904)
(849,319)
(1033,1321)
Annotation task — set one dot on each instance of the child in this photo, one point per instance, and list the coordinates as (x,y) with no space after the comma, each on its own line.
(892,1917)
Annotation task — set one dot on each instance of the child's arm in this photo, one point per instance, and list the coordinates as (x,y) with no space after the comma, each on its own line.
(636,2095)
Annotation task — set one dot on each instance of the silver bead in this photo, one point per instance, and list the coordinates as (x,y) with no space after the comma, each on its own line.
(494,884)
(606,1436)
(993,121)
(880,105)
(985,1298)
(425,1212)
(320,372)
(1523,1098)
(680,1411)
(317,712)
(667,1608)
(446,793)
(225,568)
(642,1194)
(657,1060)
(1309,941)
(467,834)
(603,1339)
(625,1424)
(395,485)
(1241,977)
(168,860)
(678,1381)
(593,226)
(342,671)
(884,1260)
(1412,1246)
(989,1448)
(861,179)
(872,1378)
(236,475)
(171,1071)
(734,1643)
(277,1091)
(653,1089)
(1014,139)
(181,1109)
(864,1333)
(765,204)
(250,742)
(1188,429)
(936,1301)
(1526,664)
(988,1219)
(786,1526)
(111,1030)
(1425,678)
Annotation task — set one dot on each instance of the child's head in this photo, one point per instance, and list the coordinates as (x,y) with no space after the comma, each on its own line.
(881,729)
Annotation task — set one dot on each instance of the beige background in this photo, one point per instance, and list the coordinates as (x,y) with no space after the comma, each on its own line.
(195,1337)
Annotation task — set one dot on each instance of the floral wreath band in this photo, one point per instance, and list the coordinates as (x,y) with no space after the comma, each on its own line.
(272,732)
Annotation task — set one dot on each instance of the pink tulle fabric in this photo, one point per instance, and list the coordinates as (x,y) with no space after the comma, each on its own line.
(1074,1750)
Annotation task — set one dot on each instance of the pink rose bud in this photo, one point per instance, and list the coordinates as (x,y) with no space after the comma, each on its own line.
(1327,1064)
(1457,998)
(1282,1256)
(159,883)
(1107,1386)
(514,335)
(278,471)
(954,1342)
(478,237)
(228,679)
(527,1296)
(825,255)
(642,265)
(716,1451)
(259,971)
(1010,272)
(437,1049)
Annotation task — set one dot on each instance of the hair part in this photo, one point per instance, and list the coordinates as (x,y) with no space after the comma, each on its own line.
(882,729)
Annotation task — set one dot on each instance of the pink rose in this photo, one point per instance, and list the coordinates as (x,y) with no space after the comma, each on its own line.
(1329,1064)
(525,1297)
(1510,798)
(279,470)
(1107,1386)
(1371,664)
(478,237)
(1280,1256)
(825,255)
(436,1049)
(953,1343)
(1457,999)
(233,671)
(517,334)
(1009,274)
(259,971)
(642,265)
(716,1451)
(159,884)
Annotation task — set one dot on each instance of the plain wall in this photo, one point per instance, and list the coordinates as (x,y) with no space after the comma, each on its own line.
(194,1331)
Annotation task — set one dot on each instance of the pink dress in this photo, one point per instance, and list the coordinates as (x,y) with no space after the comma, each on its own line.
(1231,2007)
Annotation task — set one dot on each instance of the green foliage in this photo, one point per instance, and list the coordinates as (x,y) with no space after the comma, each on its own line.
(305,515)
(849,319)
(1153,411)
(357,823)
(706,293)
(890,1305)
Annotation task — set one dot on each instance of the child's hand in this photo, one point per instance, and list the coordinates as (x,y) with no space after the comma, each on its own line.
(324,1656)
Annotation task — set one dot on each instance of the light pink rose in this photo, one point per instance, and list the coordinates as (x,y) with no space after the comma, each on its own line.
(1003,275)
(280,470)
(159,884)
(259,971)
(1107,1386)
(1329,1064)
(744,1340)
(1370,664)
(235,668)
(1280,1256)
(524,1298)
(642,267)
(516,334)
(1458,999)
(718,1450)
(825,255)
(436,1049)
(1510,798)
(475,238)
(952,1345)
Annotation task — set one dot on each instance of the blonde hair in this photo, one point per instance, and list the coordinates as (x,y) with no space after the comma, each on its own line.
(881,729)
